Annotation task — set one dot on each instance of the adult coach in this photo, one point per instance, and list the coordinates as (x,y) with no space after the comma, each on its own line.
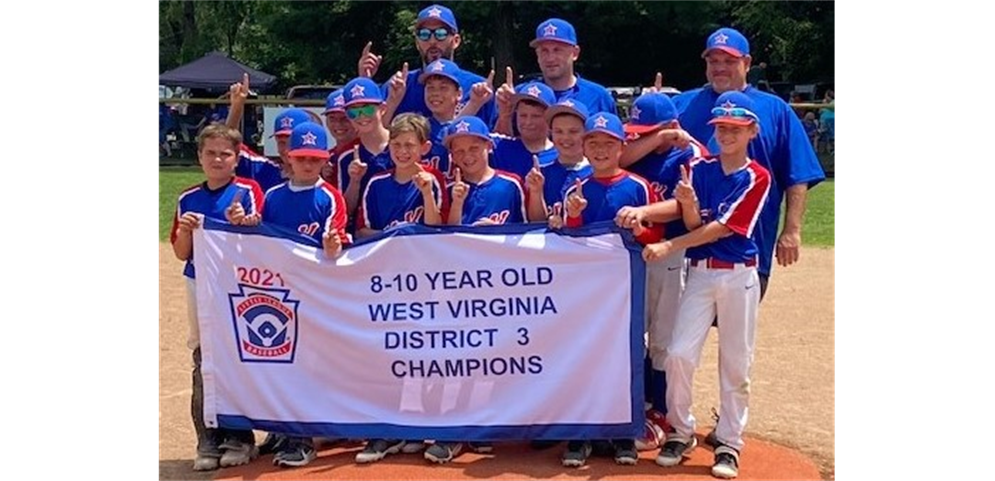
(556,50)
(436,36)
(782,146)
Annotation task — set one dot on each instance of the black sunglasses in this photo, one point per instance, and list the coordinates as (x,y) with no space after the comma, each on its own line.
(424,34)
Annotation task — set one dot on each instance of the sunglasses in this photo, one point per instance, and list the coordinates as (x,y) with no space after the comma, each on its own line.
(424,34)
(733,112)
(362,111)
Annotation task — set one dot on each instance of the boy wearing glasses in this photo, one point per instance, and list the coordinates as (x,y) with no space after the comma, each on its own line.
(528,104)
(436,36)
(363,105)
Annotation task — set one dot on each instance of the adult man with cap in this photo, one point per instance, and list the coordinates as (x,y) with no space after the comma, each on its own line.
(782,146)
(436,36)
(556,50)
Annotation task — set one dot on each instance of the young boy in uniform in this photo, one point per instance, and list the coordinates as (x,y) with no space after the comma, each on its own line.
(547,185)
(342,131)
(528,104)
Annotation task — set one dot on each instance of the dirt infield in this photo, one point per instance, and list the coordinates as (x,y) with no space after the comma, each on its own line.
(791,405)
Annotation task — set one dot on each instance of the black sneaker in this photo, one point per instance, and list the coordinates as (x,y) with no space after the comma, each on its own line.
(674,451)
(297,452)
(376,449)
(625,452)
(483,447)
(443,452)
(273,443)
(576,454)
(726,462)
(710,438)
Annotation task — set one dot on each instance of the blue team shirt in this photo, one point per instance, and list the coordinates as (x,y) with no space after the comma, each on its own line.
(511,155)
(310,211)
(607,195)
(386,202)
(594,96)
(265,172)
(782,148)
(663,171)
(734,200)
(500,199)
(213,203)
(558,178)
(414,96)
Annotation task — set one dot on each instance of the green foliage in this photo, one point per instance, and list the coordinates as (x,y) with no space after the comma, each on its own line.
(819,228)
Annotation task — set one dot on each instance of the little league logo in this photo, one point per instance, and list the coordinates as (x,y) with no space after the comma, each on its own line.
(265,322)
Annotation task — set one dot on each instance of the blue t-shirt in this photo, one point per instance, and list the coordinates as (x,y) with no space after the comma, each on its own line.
(663,171)
(265,172)
(782,148)
(500,199)
(511,155)
(558,178)
(386,202)
(414,96)
(735,201)
(594,96)
(308,210)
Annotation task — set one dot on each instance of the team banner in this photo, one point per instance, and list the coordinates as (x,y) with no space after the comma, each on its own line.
(501,333)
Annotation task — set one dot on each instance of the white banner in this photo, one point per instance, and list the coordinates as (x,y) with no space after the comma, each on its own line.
(514,332)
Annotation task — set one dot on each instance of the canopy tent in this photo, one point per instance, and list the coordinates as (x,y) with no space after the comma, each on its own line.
(215,71)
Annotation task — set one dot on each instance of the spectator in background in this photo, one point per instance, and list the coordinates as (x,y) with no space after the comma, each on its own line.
(827,123)
(757,76)
(165,125)
(811,129)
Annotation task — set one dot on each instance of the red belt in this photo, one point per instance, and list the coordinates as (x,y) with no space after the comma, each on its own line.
(713,263)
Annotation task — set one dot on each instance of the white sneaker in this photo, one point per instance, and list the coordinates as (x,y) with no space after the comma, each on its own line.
(237,453)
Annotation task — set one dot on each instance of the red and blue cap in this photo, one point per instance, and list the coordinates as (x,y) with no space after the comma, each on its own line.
(361,91)
(443,68)
(568,106)
(605,123)
(556,30)
(287,120)
(466,125)
(437,12)
(733,108)
(335,102)
(534,91)
(309,140)
(649,112)
(728,40)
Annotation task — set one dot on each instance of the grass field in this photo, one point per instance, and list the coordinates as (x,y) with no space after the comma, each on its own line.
(819,227)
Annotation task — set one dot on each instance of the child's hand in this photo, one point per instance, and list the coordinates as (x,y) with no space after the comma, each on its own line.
(505,92)
(460,189)
(398,85)
(357,168)
(331,243)
(556,216)
(657,84)
(423,181)
(484,221)
(328,172)
(534,180)
(369,62)
(629,217)
(673,138)
(235,213)
(483,91)
(684,193)
(239,91)
(576,203)
(188,222)
(656,251)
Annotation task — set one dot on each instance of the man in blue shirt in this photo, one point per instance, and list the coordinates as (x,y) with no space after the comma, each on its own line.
(781,147)
(556,50)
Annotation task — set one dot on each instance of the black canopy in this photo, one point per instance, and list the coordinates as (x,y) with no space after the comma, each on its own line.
(215,71)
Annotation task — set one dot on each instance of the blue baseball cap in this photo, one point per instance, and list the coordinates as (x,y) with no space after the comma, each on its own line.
(733,108)
(466,125)
(287,120)
(309,140)
(649,112)
(335,102)
(728,40)
(556,30)
(361,90)
(534,91)
(437,12)
(443,68)
(567,106)
(605,123)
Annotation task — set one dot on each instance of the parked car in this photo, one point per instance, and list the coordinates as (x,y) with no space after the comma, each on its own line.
(311,92)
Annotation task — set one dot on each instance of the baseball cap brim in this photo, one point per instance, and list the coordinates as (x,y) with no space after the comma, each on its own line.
(536,41)
(520,97)
(425,75)
(333,109)
(563,109)
(613,135)
(364,101)
(441,20)
(324,154)
(728,50)
(640,129)
(743,122)
(449,138)
(281,133)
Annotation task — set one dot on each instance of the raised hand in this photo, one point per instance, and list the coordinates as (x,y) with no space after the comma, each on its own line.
(556,217)
(534,180)
(576,203)
(235,213)
(357,168)
(398,85)
(369,62)
(684,193)
(483,91)
(506,91)
(331,243)
(423,181)
(460,189)
(239,91)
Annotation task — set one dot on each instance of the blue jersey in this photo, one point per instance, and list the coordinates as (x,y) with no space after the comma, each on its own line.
(375,164)
(663,171)
(500,199)
(414,96)
(510,155)
(265,172)
(310,211)
(558,178)
(594,96)
(782,148)
(735,201)
(213,203)
(607,195)
(387,202)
